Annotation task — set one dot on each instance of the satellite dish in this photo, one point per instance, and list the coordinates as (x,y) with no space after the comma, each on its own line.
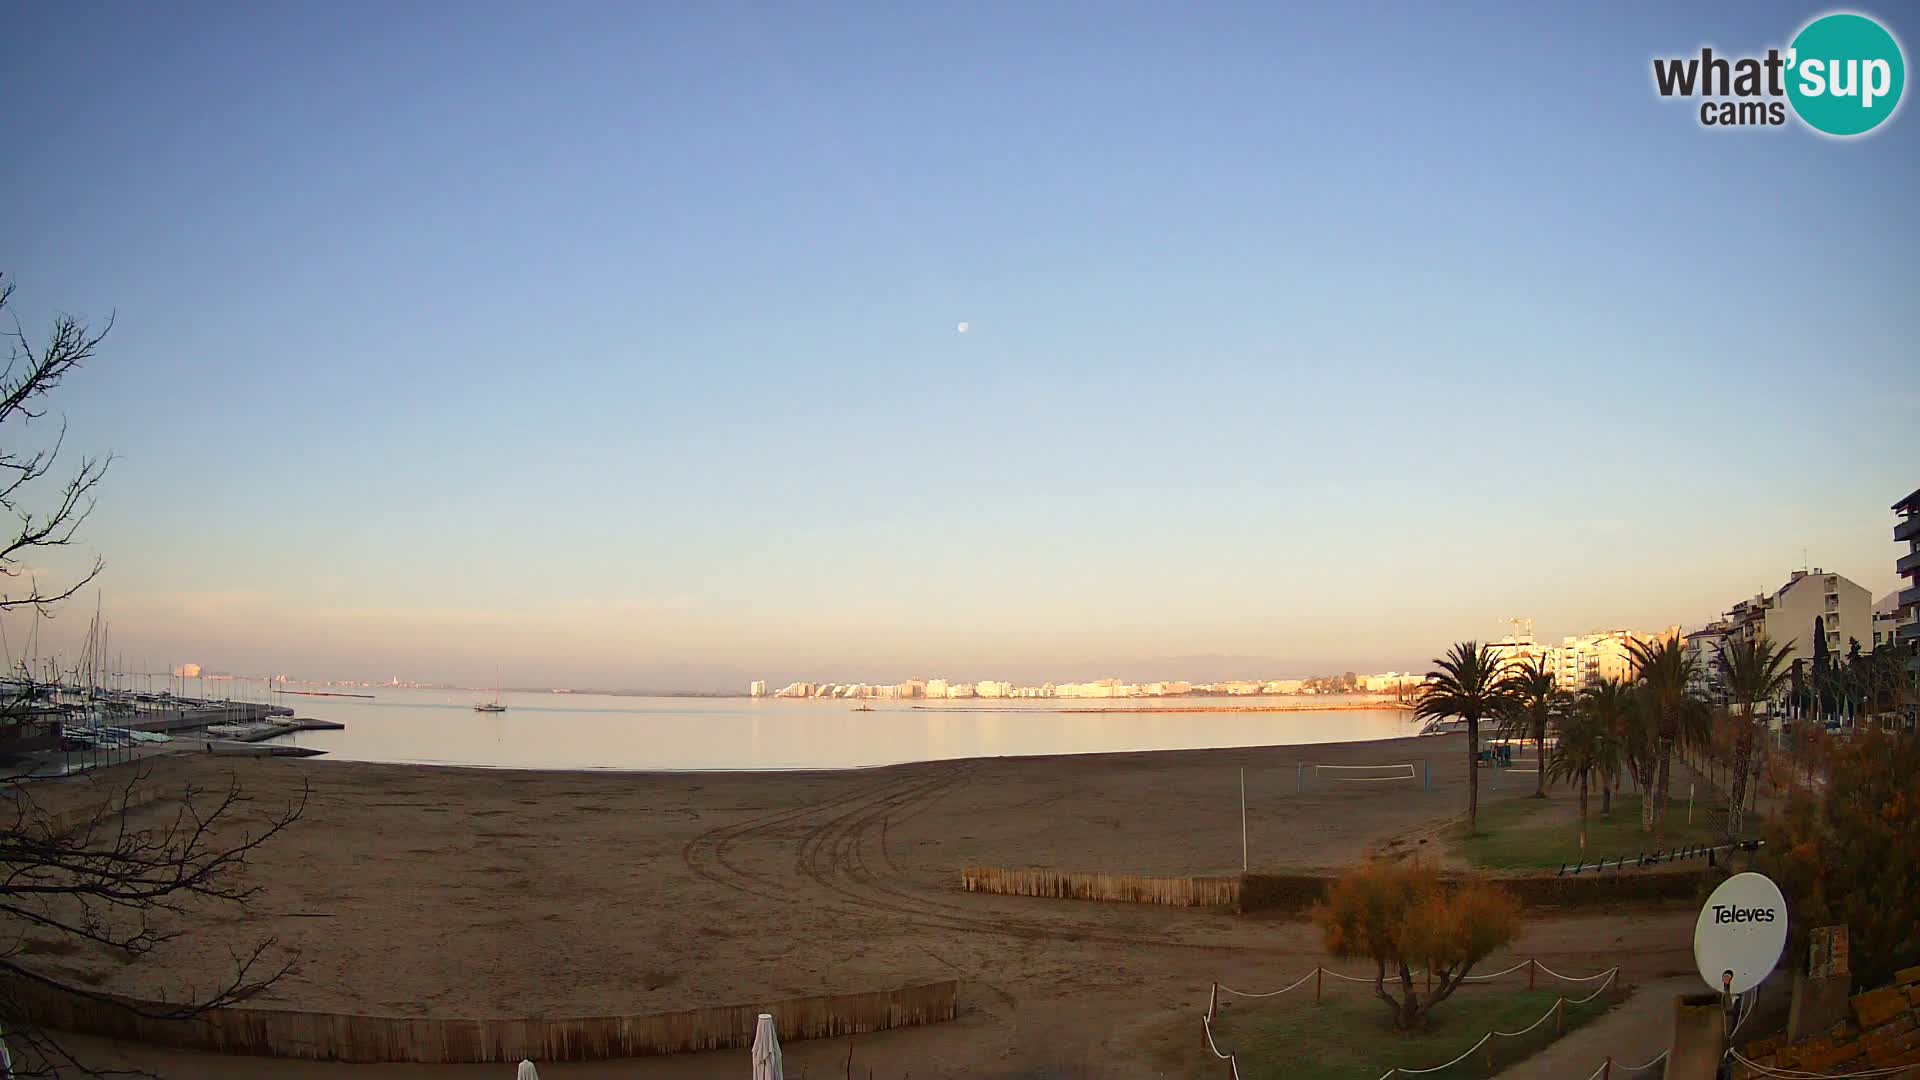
(1741,933)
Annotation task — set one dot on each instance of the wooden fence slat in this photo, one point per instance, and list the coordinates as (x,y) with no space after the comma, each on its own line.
(288,1033)
(1119,888)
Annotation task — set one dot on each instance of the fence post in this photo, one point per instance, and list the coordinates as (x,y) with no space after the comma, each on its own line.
(1560,1016)
(1532,966)
(1316,983)
(1490,1054)
(1213,1000)
(1606,1071)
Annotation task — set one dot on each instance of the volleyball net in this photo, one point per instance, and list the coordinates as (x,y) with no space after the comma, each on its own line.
(1352,774)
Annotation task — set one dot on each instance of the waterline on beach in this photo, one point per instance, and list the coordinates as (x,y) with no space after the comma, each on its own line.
(584,731)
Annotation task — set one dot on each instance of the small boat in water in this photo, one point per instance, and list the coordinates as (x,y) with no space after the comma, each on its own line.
(494,705)
(863,707)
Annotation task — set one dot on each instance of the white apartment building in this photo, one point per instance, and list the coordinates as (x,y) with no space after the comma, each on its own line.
(1520,649)
(757,688)
(937,688)
(989,688)
(1703,646)
(1589,658)
(960,690)
(1389,682)
(1788,615)
(1886,622)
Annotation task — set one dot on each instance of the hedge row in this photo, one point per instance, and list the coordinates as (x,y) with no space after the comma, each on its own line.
(1294,893)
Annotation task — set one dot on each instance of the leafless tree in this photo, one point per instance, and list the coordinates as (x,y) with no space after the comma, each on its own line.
(116,876)
(124,889)
(30,375)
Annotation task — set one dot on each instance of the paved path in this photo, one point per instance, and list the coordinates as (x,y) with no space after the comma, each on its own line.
(1633,1033)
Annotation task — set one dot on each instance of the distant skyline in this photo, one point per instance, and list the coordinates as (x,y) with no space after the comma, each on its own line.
(622,346)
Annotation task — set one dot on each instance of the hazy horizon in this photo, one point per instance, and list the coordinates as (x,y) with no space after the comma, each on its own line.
(621,349)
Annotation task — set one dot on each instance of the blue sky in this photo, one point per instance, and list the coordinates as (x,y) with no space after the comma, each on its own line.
(617,343)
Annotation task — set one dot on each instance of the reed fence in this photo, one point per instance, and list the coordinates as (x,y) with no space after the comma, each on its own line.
(287,1033)
(1283,893)
(1118,888)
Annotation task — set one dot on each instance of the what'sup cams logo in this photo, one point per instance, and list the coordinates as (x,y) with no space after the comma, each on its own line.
(1842,76)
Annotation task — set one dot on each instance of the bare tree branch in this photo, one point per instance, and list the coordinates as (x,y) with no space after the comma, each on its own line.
(121,880)
(30,375)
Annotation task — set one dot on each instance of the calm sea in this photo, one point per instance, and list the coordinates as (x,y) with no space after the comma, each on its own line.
(585,731)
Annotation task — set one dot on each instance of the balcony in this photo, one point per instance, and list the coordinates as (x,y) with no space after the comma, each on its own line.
(1908,598)
(1908,565)
(1908,529)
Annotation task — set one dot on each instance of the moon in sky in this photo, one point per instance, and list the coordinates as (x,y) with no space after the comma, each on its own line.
(963,328)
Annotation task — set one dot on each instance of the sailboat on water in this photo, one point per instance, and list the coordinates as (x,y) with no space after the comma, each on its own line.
(494,705)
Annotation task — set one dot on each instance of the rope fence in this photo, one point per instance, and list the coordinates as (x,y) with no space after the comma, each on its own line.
(1795,1074)
(1534,969)
(1609,1071)
(1557,1012)
(1233,1064)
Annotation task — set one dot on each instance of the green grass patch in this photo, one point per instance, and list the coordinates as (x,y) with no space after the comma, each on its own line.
(1350,1036)
(1539,834)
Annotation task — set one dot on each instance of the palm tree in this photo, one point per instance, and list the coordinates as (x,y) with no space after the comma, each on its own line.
(1535,699)
(1587,747)
(1667,676)
(1755,672)
(1468,683)
(1615,704)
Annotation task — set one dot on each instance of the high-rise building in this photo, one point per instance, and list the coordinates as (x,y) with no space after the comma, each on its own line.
(757,688)
(936,688)
(1908,532)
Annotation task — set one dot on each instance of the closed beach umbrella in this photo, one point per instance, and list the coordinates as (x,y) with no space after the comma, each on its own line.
(766,1050)
(527,1072)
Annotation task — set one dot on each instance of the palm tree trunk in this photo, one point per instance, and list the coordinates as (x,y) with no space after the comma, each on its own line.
(1737,785)
(1660,781)
(1606,797)
(1473,774)
(1540,759)
(1583,814)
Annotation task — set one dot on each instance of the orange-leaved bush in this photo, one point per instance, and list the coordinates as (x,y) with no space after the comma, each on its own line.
(1404,918)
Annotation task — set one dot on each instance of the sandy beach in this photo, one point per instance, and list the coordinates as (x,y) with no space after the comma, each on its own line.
(409,890)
